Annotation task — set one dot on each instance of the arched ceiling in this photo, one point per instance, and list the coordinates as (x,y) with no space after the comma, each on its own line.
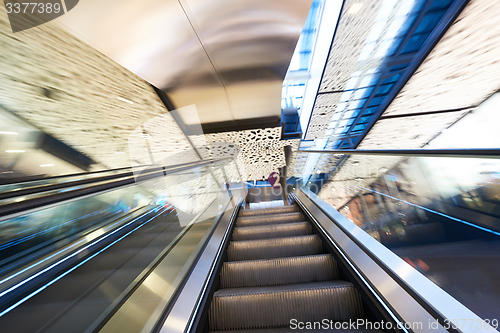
(228,57)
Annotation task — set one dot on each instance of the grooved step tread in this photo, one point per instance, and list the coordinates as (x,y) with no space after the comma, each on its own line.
(246,291)
(272,231)
(274,248)
(261,307)
(272,210)
(279,271)
(266,219)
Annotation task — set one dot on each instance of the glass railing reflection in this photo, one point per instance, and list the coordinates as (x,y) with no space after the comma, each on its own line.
(34,232)
(441,215)
(145,237)
(201,195)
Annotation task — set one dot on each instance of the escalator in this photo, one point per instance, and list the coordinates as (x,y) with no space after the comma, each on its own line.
(75,249)
(279,277)
(204,261)
(304,266)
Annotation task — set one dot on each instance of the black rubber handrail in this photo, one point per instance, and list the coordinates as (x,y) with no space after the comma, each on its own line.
(64,176)
(63,184)
(55,186)
(464,153)
(55,197)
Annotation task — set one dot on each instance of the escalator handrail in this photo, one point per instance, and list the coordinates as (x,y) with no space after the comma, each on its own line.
(415,290)
(192,296)
(7,210)
(64,176)
(54,186)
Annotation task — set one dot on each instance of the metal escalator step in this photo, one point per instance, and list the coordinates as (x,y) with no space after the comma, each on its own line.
(272,231)
(264,307)
(271,272)
(269,219)
(274,248)
(274,210)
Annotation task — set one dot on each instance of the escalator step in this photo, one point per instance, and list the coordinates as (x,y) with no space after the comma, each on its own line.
(274,210)
(272,231)
(264,307)
(274,248)
(273,219)
(269,272)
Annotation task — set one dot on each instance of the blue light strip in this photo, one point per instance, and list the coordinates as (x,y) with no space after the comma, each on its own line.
(436,212)
(41,232)
(51,256)
(74,267)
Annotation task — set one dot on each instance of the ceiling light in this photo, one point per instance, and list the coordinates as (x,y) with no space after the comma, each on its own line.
(125,100)
(119,152)
(46,165)
(15,151)
(355,7)
(8,171)
(359,179)
(383,169)
(9,133)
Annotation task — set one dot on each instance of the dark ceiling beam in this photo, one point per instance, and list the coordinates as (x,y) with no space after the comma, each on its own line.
(238,125)
(461,153)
